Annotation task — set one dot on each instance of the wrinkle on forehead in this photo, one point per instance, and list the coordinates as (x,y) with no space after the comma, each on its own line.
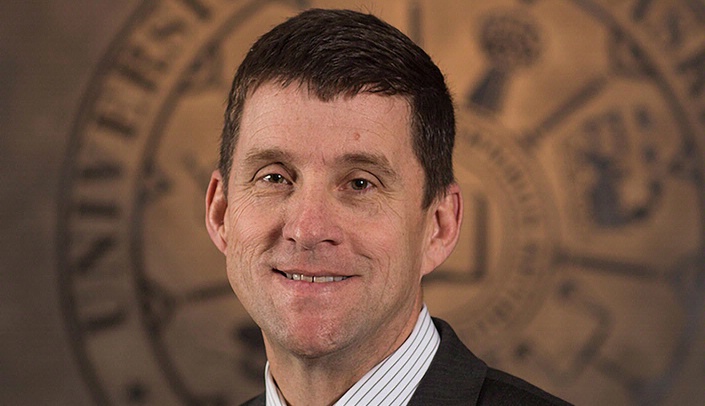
(302,102)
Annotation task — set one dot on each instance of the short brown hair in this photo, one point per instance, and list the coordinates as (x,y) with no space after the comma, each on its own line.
(342,53)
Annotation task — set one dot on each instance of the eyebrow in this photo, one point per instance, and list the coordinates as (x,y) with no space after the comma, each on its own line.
(378,162)
(268,155)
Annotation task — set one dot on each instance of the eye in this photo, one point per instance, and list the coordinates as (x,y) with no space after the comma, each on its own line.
(360,184)
(275,178)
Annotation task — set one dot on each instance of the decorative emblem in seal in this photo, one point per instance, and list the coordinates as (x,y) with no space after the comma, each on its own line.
(580,152)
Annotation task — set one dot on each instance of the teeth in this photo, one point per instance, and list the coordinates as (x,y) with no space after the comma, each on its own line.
(314,279)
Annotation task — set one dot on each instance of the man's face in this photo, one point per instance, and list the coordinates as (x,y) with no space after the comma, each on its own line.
(324,233)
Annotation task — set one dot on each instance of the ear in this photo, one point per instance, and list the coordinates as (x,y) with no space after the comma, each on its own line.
(216,208)
(446,216)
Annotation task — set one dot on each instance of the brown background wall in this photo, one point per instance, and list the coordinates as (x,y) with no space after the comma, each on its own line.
(580,151)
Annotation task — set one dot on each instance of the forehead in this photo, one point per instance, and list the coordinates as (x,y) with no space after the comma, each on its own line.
(293,117)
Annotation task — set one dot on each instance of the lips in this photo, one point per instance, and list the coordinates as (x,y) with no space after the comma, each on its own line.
(312,278)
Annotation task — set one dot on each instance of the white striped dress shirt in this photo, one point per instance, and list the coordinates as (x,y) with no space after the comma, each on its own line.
(391,382)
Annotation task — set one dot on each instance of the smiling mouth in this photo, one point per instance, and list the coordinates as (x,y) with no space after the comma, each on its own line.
(313,279)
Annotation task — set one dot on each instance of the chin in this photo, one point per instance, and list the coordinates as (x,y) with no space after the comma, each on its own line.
(313,340)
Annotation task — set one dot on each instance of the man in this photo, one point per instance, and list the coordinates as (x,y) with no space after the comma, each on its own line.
(334,196)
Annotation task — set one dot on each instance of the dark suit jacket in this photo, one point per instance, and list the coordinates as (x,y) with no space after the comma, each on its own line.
(457,377)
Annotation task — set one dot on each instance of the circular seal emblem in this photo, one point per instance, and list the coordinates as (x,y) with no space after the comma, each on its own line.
(580,155)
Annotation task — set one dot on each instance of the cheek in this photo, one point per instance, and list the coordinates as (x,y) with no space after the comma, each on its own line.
(393,241)
(244,261)
(411,246)
(250,232)
(247,220)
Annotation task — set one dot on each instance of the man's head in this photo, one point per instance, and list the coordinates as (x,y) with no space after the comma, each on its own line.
(336,53)
(323,207)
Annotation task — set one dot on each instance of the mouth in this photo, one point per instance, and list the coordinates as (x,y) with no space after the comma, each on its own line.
(311,278)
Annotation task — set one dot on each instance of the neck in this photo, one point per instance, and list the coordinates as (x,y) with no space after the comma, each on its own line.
(316,385)
(321,381)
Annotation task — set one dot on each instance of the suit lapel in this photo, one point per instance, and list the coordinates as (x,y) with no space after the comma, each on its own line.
(260,400)
(455,375)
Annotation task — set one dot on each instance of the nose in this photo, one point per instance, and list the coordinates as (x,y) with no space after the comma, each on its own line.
(311,220)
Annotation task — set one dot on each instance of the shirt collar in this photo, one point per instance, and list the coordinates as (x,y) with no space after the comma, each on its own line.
(393,380)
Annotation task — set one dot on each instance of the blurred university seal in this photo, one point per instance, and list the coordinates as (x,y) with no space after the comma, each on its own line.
(580,152)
